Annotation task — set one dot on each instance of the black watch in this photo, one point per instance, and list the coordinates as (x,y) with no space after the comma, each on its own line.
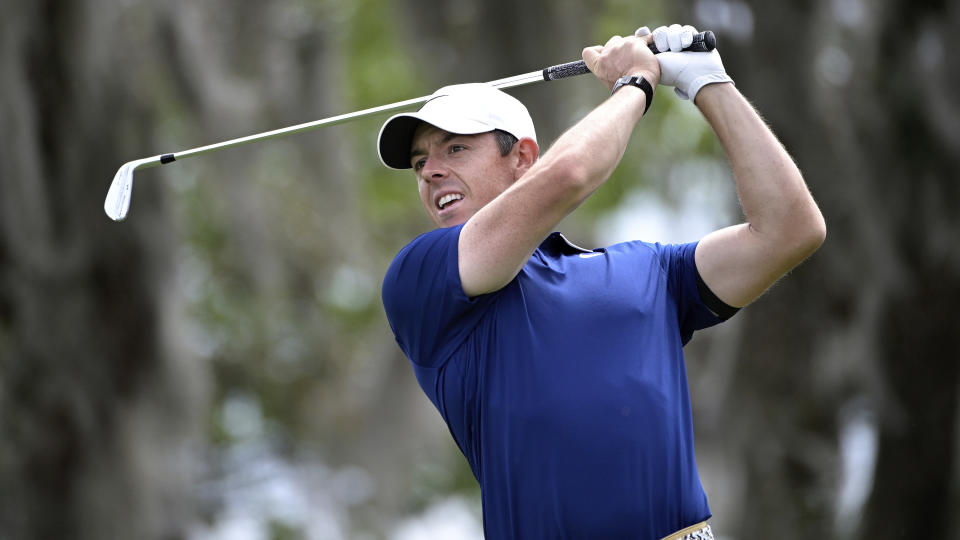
(639,82)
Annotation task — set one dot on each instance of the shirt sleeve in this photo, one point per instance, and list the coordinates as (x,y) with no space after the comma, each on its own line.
(426,307)
(697,306)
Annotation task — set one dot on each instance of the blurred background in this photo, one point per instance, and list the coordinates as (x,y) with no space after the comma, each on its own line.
(218,366)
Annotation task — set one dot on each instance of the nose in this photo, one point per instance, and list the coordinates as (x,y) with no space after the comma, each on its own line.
(433,169)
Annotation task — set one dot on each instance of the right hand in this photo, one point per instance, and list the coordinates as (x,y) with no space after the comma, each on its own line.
(687,72)
(623,56)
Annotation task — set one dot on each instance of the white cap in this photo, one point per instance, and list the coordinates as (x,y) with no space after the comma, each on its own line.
(464,109)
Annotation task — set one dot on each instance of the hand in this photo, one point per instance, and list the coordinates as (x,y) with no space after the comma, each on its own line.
(687,72)
(623,56)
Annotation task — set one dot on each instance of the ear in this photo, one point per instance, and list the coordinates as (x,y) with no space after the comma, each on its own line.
(525,153)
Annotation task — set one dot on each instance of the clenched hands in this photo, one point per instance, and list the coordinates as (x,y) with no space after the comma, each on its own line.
(621,56)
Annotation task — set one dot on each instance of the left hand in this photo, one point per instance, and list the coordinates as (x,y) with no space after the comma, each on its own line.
(687,72)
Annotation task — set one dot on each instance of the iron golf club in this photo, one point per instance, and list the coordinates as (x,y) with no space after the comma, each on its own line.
(117,203)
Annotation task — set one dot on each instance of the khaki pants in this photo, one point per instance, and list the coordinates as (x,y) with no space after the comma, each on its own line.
(700,531)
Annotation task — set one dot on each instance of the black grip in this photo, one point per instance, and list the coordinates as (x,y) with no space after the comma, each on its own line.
(562,71)
(702,42)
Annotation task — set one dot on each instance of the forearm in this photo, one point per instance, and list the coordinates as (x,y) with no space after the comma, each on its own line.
(784,225)
(587,154)
(773,195)
(498,240)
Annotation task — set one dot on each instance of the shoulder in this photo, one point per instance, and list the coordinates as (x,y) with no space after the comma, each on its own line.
(422,270)
(425,305)
(431,248)
(430,240)
(667,256)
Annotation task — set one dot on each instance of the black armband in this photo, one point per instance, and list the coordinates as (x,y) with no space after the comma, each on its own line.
(716,305)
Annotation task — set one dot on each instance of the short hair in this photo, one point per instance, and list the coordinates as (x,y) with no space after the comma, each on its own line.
(504,140)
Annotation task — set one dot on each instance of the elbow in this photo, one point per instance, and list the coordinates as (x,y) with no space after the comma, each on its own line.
(816,230)
(808,235)
(819,232)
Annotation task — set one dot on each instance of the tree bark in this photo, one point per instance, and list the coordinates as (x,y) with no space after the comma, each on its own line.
(93,406)
(860,95)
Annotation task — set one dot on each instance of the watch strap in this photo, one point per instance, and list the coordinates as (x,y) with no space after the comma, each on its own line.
(640,82)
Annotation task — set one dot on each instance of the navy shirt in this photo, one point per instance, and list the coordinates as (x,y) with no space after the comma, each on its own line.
(566,390)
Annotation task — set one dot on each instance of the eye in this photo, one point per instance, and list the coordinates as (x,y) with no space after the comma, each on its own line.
(457,148)
(418,164)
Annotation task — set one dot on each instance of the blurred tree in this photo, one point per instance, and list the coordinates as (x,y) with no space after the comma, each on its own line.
(859,93)
(94,405)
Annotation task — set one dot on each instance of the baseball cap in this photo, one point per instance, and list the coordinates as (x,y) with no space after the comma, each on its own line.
(464,109)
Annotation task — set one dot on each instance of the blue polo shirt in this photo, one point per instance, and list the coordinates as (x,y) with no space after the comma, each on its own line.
(566,390)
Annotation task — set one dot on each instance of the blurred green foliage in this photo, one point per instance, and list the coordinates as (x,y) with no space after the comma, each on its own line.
(379,70)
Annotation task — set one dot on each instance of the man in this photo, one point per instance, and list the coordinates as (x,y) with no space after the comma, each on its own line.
(558,370)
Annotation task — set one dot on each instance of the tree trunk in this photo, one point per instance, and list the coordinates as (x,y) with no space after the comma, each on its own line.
(860,93)
(93,407)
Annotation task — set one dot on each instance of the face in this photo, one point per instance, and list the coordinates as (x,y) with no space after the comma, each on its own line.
(457,175)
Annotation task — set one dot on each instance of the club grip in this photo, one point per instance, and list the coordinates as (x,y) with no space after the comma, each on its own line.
(562,71)
(702,42)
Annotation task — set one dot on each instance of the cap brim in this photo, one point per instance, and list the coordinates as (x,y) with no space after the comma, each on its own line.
(395,139)
(396,135)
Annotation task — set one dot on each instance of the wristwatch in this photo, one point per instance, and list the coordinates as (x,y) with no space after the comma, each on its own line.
(639,82)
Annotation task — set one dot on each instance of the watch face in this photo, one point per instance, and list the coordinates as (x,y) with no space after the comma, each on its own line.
(626,79)
(639,82)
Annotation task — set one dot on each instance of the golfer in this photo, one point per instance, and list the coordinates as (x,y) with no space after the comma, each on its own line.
(560,370)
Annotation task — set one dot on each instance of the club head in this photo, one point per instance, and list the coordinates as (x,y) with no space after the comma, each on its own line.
(117,202)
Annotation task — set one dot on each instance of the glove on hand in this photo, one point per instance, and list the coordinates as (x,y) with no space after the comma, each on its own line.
(687,72)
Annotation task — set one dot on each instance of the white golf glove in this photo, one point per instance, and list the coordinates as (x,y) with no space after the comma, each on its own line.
(687,72)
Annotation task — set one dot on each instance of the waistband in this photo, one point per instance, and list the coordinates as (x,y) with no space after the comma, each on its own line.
(700,531)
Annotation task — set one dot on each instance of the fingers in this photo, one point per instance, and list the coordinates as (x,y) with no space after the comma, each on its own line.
(660,38)
(590,56)
(592,53)
(643,33)
(673,38)
(622,55)
(686,36)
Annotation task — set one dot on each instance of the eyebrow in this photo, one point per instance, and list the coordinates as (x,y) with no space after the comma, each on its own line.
(446,138)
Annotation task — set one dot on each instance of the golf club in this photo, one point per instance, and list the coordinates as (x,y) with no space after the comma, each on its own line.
(117,203)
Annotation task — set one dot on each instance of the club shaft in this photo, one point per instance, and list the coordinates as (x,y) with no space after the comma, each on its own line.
(703,41)
(508,82)
(333,120)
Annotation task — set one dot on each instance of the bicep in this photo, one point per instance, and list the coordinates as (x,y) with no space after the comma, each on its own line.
(738,264)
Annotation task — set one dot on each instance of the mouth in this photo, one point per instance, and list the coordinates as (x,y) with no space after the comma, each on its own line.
(449,200)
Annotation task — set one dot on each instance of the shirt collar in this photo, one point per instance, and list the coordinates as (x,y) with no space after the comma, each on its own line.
(557,244)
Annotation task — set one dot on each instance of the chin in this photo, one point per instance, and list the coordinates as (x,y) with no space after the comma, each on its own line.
(452,222)
(458,217)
